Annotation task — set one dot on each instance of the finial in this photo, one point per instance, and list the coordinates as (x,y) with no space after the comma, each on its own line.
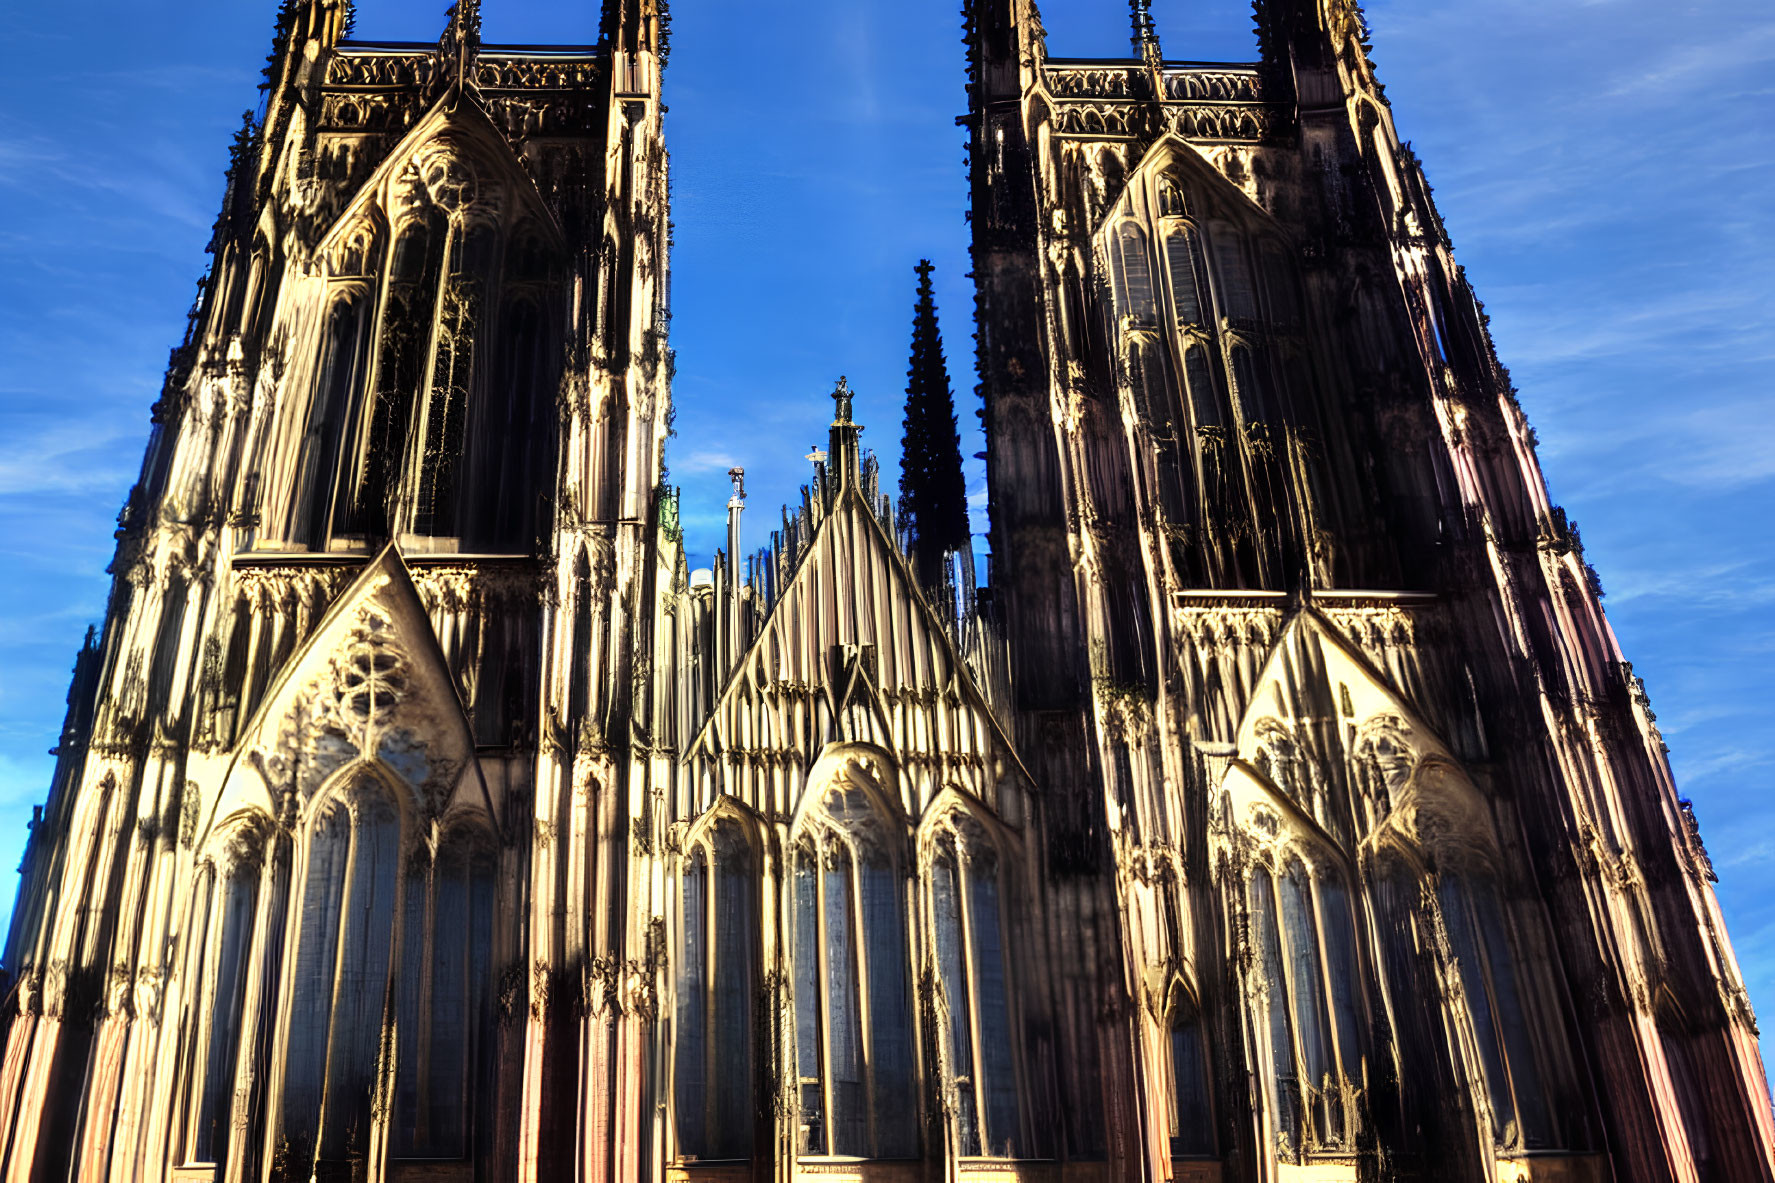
(1146,34)
(461,42)
(842,394)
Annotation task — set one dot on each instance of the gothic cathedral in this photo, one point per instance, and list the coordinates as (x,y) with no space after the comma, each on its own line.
(1280,809)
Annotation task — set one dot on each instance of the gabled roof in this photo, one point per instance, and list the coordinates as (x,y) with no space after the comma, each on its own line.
(852,589)
(369,685)
(458,114)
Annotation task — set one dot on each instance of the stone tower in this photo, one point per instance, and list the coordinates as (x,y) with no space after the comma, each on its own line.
(356,714)
(1281,811)
(1325,688)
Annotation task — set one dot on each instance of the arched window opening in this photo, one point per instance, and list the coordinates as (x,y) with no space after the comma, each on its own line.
(1283,1094)
(438,481)
(965,903)
(405,340)
(1180,261)
(164,666)
(855,1082)
(509,445)
(231,707)
(1205,400)
(225,914)
(442,998)
(1307,961)
(227,981)
(716,981)
(252,304)
(1191,1104)
(1238,296)
(344,947)
(1473,915)
(343,359)
(1150,377)
(1132,269)
(1171,201)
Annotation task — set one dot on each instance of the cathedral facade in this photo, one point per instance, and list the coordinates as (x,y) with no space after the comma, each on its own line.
(1281,808)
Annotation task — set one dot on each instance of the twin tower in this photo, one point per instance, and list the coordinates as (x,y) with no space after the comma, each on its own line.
(1283,810)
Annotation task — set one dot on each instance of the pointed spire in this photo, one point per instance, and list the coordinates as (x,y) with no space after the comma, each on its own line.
(461,42)
(1146,33)
(933,491)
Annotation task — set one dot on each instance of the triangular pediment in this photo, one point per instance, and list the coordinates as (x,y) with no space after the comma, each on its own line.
(369,687)
(453,155)
(1173,154)
(1320,711)
(851,653)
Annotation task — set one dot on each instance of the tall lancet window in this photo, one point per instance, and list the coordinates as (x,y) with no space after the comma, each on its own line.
(970,954)
(344,354)
(511,440)
(442,996)
(1191,1105)
(1132,270)
(716,982)
(850,961)
(438,479)
(1308,991)
(1478,937)
(400,372)
(229,896)
(344,946)
(1180,263)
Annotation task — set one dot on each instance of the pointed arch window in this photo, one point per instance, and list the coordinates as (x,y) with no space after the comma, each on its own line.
(716,982)
(405,339)
(344,942)
(1478,936)
(1171,200)
(438,479)
(509,456)
(968,924)
(168,635)
(1677,1043)
(1132,269)
(850,960)
(1190,1101)
(344,357)
(1251,381)
(1205,400)
(228,911)
(1306,963)
(1180,262)
(441,996)
(372,943)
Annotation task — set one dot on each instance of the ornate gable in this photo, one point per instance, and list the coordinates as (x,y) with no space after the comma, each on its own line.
(455,158)
(852,654)
(1321,720)
(371,686)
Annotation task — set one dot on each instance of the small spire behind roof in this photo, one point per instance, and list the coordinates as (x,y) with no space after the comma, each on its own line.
(1146,33)
(461,42)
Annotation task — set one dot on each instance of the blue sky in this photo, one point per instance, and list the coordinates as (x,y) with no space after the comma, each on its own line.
(1606,168)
